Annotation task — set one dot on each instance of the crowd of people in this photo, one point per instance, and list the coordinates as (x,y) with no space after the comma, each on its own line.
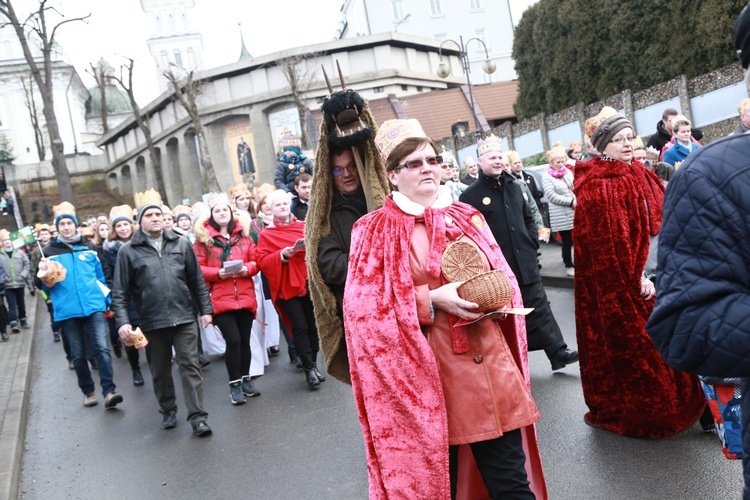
(369,258)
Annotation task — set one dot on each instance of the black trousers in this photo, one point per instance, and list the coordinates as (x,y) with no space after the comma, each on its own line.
(501,462)
(567,247)
(542,329)
(304,331)
(235,327)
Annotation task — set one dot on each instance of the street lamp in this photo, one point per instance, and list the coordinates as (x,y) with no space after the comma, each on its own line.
(444,67)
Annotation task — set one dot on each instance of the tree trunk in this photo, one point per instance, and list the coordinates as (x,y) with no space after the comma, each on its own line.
(205,158)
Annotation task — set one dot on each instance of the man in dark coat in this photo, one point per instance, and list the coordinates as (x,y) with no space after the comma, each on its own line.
(472,171)
(700,322)
(501,202)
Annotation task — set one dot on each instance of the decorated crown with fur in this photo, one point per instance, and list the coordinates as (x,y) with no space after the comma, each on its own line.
(489,143)
(218,199)
(393,132)
(238,190)
(64,208)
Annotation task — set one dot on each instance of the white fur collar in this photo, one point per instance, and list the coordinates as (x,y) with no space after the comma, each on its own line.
(444,199)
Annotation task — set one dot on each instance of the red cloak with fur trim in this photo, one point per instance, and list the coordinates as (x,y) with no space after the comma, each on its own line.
(627,385)
(395,378)
(286,280)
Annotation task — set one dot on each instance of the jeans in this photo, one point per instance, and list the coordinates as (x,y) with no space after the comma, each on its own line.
(95,328)
(16,304)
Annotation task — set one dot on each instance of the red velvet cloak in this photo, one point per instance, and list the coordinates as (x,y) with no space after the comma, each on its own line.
(286,280)
(627,386)
(394,374)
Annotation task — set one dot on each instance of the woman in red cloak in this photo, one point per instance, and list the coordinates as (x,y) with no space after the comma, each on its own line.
(281,257)
(423,386)
(627,386)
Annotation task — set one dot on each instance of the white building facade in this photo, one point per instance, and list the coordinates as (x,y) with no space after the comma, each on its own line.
(486,20)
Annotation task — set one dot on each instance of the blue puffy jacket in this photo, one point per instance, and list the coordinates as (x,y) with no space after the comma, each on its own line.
(79,294)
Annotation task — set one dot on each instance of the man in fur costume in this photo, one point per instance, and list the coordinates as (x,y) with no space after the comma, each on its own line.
(350,181)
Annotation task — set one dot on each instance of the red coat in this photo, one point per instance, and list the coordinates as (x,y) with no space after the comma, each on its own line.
(286,280)
(233,293)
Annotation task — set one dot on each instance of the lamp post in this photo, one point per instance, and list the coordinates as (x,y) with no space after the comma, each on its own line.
(444,67)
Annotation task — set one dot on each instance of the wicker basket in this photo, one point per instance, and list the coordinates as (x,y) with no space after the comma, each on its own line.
(490,290)
(461,261)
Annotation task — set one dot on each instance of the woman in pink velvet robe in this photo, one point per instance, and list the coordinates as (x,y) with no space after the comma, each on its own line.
(423,387)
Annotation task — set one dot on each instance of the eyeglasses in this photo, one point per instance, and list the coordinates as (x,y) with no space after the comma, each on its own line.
(415,164)
(621,140)
(341,171)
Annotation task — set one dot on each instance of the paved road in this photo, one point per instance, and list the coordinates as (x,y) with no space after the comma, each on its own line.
(292,443)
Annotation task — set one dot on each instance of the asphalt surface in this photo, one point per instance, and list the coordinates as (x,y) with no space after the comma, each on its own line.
(294,443)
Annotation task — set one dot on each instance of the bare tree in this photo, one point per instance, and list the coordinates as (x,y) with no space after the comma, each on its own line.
(36,25)
(30,102)
(127,85)
(186,91)
(299,72)
(98,72)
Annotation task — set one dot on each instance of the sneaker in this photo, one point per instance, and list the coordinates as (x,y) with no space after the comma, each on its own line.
(56,336)
(112,399)
(5,336)
(169,421)
(137,378)
(14,326)
(273,351)
(236,396)
(90,400)
(201,428)
(571,271)
(24,324)
(248,388)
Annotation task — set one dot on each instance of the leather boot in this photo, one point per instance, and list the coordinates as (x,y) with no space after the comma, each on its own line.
(310,375)
(320,376)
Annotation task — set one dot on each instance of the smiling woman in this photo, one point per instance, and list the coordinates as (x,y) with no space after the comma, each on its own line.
(413,370)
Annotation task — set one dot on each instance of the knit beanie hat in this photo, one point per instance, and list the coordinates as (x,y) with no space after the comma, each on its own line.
(607,130)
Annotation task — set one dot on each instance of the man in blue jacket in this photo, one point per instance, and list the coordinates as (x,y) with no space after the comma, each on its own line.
(700,322)
(80,300)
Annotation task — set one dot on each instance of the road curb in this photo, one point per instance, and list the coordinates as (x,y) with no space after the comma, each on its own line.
(13,429)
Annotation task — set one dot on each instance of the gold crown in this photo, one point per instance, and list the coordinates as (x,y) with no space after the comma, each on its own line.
(638,143)
(393,132)
(166,210)
(594,122)
(64,208)
(121,212)
(217,199)
(489,143)
(238,190)
(557,151)
(181,209)
(150,197)
(513,156)
(574,144)
(680,119)
(42,227)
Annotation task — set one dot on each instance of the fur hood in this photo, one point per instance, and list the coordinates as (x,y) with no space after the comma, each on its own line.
(205,234)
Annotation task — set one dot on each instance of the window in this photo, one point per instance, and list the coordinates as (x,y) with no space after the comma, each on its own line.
(178,58)
(164,59)
(172,24)
(436,7)
(482,35)
(487,78)
(475,4)
(404,87)
(378,90)
(191,59)
(159,27)
(398,9)
(419,88)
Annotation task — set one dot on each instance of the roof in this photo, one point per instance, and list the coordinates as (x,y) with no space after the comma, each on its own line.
(438,110)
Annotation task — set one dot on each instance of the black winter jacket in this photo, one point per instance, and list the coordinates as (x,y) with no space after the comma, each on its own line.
(162,284)
(503,206)
(333,250)
(662,137)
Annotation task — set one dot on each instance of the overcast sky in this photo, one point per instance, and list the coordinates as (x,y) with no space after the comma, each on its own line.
(119,28)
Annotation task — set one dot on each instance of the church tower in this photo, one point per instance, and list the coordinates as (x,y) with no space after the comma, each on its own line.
(173,43)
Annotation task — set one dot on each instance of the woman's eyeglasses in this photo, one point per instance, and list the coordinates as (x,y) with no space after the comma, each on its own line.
(415,164)
(621,140)
(340,171)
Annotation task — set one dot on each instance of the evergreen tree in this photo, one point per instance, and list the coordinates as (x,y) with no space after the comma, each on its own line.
(6,149)
(570,51)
